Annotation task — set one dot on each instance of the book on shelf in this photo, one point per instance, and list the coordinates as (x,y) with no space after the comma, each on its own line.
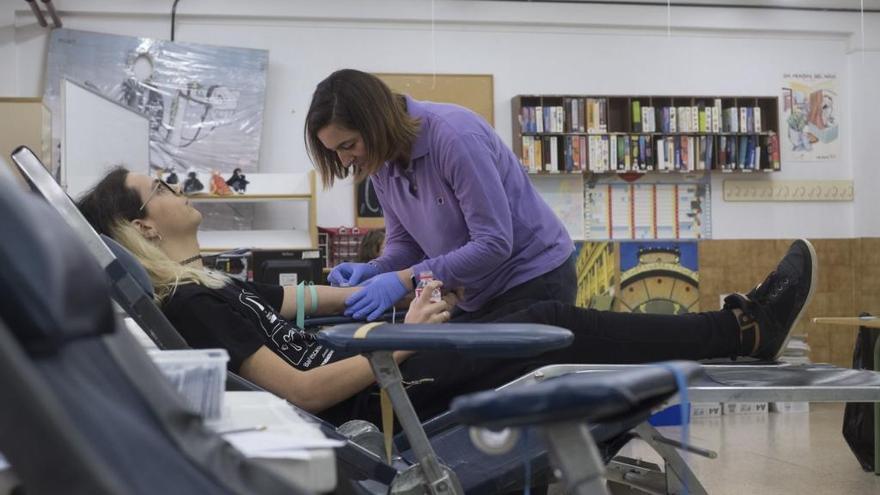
(661,154)
(731,120)
(773,151)
(560,119)
(666,154)
(717,116)
(643,157)
(699,149)
(636,158)
(583,148)
(722,153)
(636,116)
(611,155)
(710,153)
(582,116)
(756,115)
(685,153)
(569,154)
(705,117)
(539,119)
(528,153)
(742,153)
(570,115)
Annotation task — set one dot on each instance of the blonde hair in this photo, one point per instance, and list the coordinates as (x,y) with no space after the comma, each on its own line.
(165,273)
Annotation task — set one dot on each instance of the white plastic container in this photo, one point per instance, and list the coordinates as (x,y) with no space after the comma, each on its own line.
(199,375)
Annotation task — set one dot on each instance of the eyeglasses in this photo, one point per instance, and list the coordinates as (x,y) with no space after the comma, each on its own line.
(158,188)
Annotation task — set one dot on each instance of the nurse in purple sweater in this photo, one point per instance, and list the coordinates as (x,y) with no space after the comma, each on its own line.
(456,199)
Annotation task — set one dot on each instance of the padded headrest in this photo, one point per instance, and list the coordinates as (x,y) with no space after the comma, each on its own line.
(51,288)
(130,264)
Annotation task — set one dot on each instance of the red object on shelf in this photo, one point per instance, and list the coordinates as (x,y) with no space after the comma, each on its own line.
(342,243)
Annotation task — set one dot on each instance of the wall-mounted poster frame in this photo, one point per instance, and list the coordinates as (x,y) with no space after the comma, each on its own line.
(473,91)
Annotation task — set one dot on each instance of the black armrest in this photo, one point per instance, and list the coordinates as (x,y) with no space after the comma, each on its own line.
(591,396)
(481,339)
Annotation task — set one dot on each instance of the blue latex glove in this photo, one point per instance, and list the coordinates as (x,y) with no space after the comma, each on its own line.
(351,273)
(375,297)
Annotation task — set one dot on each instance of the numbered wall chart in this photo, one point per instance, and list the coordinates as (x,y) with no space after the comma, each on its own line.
(647,211)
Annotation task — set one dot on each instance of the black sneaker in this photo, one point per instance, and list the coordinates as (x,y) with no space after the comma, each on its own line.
(772,309)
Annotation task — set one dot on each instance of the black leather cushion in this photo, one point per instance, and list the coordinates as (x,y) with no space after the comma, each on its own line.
(51,288)
(476,339)
(591,396)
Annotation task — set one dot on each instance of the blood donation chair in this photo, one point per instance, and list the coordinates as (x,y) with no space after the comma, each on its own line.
(362,462)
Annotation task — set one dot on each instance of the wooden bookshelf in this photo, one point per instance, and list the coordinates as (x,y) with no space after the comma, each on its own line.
(603,134)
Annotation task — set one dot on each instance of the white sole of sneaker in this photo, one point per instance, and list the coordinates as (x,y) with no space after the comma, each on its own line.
(814,276)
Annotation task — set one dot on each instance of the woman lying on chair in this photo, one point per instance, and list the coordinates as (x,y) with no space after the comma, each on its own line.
(252,321)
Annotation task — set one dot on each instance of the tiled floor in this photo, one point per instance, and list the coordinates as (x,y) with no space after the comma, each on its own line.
(775,453)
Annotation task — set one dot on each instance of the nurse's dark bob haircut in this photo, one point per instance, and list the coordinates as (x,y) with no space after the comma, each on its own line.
(359,102)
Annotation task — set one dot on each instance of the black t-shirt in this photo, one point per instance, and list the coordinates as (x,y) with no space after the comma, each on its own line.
(241,317)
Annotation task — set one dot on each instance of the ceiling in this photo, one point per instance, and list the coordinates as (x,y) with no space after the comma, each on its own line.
(846,5)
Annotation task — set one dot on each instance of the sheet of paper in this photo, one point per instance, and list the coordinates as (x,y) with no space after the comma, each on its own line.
(279,442)
(260,424)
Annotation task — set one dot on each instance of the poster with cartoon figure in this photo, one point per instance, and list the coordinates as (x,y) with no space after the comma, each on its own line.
(811,117)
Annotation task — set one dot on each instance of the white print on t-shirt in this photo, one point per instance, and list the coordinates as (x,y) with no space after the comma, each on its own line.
(293,343)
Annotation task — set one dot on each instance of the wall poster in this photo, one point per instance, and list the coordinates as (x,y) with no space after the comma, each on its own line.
(811,117)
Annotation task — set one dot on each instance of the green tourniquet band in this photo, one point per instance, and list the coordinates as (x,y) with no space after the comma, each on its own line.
(300,306)
(314,291)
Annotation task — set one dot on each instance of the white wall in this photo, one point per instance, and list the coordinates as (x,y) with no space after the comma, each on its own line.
(529,48)
(865,69)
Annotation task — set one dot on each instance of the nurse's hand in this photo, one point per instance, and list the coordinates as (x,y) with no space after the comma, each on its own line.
(346,274)
(376,296)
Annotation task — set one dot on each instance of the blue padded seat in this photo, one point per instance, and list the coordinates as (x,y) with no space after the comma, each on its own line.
(591,396)
(484,339)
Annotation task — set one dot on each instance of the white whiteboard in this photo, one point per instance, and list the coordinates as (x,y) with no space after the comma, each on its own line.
(99,134)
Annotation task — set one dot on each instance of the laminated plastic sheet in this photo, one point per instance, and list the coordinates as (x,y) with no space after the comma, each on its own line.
(205,103)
